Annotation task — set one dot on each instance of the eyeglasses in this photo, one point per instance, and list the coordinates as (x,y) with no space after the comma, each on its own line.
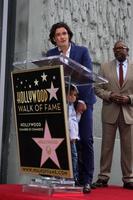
(120,48)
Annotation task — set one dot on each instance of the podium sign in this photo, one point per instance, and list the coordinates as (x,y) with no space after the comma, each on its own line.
(41,121)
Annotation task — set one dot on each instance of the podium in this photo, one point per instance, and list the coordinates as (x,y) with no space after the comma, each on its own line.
(41,120)
(79,74)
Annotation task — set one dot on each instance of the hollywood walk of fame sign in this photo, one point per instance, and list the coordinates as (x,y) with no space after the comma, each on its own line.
(41,121)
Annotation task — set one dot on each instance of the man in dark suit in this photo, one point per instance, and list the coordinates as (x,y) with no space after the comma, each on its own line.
(60,36)
(117,113)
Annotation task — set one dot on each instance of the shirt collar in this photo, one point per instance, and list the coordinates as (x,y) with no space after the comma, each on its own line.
(124,63)
(68,50)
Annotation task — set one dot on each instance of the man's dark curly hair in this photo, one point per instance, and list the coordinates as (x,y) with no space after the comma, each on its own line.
(59,25)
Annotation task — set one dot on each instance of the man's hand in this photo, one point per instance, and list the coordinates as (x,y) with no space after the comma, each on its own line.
(119,99)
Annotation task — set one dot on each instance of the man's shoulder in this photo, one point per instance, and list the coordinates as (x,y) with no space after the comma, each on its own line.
(109,63)
(52,51)
(79,47)
(130,62)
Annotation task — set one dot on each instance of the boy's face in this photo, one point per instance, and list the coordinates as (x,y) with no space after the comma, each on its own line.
(71,98)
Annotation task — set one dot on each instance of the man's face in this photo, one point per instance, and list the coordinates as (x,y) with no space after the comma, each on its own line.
(61,37)
(120,51)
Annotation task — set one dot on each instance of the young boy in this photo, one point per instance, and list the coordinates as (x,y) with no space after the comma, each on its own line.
(73,119)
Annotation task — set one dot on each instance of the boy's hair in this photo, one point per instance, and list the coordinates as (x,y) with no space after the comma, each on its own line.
(70,88)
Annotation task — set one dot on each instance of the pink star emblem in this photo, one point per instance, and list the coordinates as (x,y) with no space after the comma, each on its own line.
(52,91)
(48,146)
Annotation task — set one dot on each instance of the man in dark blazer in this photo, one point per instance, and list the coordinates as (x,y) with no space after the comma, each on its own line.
(60,36)
(117,113)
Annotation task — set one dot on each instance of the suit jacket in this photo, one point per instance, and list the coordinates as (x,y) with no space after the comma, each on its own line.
(110,110)
(79,54)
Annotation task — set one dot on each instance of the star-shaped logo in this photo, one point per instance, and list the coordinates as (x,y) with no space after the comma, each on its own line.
(44,77)
(48,146)
(52,91)
(36,82)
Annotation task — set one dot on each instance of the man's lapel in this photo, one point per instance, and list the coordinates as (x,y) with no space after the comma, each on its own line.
(129,72)
(56,51)
(114,73)
(72,51)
